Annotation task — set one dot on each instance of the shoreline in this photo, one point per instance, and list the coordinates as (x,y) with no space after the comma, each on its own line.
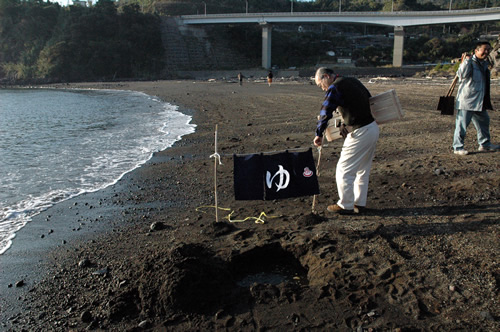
(44,201)
(23,262)
(91,216)
(419,215)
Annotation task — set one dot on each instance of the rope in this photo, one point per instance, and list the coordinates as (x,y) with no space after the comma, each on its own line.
(217,157)
(258,220)
(261,219)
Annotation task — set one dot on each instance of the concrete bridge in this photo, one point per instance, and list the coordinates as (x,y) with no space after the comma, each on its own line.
(398,20)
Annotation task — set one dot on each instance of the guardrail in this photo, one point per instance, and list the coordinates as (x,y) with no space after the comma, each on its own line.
(378,18)
(398,13)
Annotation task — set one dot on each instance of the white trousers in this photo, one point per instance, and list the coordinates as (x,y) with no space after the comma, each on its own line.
(354,165)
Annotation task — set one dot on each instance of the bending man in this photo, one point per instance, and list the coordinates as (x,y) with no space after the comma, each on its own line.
(354,165)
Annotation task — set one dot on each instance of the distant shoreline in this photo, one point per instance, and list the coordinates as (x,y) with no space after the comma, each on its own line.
(253,74)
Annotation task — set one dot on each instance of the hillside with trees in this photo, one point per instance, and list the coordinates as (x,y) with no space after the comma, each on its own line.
(43,41)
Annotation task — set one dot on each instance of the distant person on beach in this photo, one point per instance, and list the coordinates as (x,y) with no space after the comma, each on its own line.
(270,78)
(354,165)
(240,78)
(473,99)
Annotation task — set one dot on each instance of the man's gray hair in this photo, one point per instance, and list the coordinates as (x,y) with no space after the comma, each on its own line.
(322,71)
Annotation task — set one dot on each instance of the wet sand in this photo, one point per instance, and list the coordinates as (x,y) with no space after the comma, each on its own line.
(425,256)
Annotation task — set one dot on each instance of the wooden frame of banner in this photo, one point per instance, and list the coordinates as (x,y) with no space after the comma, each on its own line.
(317,174)
(215,156)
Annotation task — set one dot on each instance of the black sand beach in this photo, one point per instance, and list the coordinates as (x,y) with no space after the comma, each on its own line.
(424,257)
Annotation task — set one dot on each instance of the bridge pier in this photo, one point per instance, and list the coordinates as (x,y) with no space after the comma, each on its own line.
(397,55)
(266,44)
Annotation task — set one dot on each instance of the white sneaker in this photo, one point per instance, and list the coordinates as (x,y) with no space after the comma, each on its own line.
(491,147)
(461,152)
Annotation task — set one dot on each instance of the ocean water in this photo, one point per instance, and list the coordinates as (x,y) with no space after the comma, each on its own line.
(57,144)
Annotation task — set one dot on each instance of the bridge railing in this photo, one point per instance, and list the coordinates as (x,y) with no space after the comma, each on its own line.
(398,13)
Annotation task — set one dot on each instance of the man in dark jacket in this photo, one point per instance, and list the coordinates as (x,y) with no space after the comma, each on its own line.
(351,98)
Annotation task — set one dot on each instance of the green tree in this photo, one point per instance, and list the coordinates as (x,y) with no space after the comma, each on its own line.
(25,27)
(409,5)
(434,48)
(363,5)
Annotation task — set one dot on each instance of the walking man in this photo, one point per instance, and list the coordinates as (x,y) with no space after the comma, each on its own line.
(270,77)
(240,78)
(473,99)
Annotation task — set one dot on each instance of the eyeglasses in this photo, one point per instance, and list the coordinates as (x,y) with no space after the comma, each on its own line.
(320,82)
